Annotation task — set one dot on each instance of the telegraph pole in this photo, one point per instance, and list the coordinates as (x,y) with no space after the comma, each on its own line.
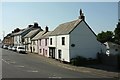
(3,34)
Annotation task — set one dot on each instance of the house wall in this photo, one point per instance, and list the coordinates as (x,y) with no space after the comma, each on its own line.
(28,44)
(17,40)
(54,45)
(12,40)
(114,49)
(54,40)
(6,41)
(43,47)
(35,46)
(85,42)
(64,48)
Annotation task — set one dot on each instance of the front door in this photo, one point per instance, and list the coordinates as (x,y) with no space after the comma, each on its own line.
(59,54)
(52,52)
(31,49)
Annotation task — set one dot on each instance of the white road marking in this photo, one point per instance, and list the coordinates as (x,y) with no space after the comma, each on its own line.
(12,62)
(21,54)
(55,77)
(5,61)
(32,71)
(19,66)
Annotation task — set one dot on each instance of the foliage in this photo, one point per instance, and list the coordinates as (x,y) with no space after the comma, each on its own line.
(117,33)
(105,36)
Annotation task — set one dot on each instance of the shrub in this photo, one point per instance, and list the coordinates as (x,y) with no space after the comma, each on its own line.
(118,59)
(78,61)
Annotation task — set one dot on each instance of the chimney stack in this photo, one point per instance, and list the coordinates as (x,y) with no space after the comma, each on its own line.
(81,15)
(46,29)
(35,24)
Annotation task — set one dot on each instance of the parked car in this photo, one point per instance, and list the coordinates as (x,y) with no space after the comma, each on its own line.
(14,48)
(21,49)
(10,47)
(5,46)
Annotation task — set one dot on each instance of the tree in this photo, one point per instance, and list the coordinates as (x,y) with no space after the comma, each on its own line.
(105,36)
(117,33)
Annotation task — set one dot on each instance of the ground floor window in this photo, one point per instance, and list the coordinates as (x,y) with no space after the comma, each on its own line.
(46,52)
(40,50)
(59,54)
(52,52)
(43,52)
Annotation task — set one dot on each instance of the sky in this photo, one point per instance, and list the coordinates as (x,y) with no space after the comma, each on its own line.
(100,16)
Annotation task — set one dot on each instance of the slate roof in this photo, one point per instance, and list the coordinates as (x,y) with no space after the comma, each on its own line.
(20,32)
(17,33)
(38,35)
(65,28)
(26,29)
(46,35)
(31,33)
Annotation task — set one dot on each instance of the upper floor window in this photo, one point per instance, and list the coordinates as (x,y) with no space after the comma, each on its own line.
(34,43)
(40,42)
(50,41)
(45,42)
(63,40)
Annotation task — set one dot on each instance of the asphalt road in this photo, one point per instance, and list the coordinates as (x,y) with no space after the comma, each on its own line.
(16,65)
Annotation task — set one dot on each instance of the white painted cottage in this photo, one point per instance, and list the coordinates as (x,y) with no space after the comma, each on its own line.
(28,37)
(112,48)
(35,44)
(74,38)
(19,36)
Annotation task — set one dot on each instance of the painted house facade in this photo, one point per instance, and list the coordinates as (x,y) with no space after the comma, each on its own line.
(19,36)
(28,37)
(35,44)
(74,38)
(43,44)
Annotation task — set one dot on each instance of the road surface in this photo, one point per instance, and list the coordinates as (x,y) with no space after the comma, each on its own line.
(16,65)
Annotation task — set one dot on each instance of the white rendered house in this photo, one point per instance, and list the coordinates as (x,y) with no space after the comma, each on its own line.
(28,37)
(112,48)
(74,38)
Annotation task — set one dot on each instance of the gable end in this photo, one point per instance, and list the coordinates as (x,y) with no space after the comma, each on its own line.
(87,26)
(75,26)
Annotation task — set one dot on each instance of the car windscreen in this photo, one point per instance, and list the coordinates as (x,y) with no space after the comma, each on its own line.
(21,48)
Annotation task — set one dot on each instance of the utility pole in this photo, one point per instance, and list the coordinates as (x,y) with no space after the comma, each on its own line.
(3,35)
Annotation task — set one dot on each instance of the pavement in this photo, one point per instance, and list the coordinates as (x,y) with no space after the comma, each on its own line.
(103,73)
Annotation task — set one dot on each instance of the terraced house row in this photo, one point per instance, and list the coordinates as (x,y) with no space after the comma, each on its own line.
(68,40)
